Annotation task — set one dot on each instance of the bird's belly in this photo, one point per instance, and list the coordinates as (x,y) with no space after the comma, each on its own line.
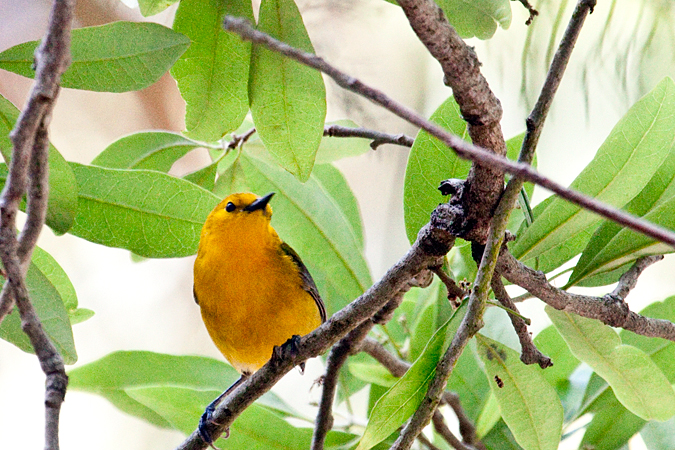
(253,313)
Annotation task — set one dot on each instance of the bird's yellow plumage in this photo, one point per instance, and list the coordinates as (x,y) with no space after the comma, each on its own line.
(253,290)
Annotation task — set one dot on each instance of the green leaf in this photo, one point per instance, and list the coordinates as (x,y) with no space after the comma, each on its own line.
(310,221)
(182,407)
(45,290)
(659,435)
(115,57)
(637,382)
(529,405)
(152,7)
(204,177)
(335,148)
(500,438)
(334,183)
(424,326)
(212,75)
(551,343)
(613,246)
(151,150)
(373,373)
(62,200)
(623,165)
(477,18)
(405,396)
(473,390)
(150,213)
(612,426)
(489,415)
(288,100)
(430,161)
(117,374)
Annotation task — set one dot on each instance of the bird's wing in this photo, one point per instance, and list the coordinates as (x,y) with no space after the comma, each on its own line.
(307,281)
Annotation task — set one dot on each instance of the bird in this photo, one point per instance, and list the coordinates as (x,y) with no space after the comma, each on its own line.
(253,290)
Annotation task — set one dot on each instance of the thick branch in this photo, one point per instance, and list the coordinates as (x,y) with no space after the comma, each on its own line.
(479,107)
(610,309)
(432,243)
(463,149)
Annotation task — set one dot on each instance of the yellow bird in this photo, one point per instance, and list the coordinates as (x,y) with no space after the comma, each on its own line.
(253,290)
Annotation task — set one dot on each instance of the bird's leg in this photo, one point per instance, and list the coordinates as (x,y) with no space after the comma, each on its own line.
(206,418)
(288,349)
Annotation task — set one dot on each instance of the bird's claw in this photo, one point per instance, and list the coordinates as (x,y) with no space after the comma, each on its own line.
(204,421)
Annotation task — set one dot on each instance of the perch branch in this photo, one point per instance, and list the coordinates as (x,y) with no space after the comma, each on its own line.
(432,243)
(441,428)
(462,148)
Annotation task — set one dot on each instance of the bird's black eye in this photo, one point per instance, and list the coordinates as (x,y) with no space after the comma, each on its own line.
(230,207)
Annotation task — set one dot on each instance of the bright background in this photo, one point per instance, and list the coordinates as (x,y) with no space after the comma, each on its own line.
(149,306)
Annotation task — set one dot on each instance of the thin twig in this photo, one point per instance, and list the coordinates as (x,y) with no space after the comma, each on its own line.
(455,293)
(426,442)
(462,148)
(432,243)
(442,429)
(466,426)
(529,353)
(610,309)
(378,138)
(530,9)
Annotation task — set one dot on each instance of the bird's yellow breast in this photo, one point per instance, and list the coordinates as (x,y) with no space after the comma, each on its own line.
(249,291)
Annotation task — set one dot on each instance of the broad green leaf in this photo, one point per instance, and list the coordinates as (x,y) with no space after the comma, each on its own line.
(118,373)
(604,278)
(152,7)
(623,165)
(550,343)
(115,57)
(311,221)
(204,177)
(46,264)
(332,180)
(45,289)
(430,161)
(472,390)
(62,200)
(212,75)
(150,213)
(528,404)
(405,396)
(489,416)
(659,435)
(500,438)
(257,428)
(424,326)
(374,373)
(613,246)
(288,100)
(612,425)
(335,148)
(151,150)
(636,381)
(477,18)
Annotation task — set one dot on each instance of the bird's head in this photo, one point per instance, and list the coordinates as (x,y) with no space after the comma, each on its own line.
(243,206)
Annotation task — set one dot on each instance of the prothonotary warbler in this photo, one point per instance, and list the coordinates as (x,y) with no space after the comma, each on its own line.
(253,290)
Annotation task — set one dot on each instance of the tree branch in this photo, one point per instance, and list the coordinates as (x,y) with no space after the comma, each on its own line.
(30,162)
(529,353)
(432,243)
(463,149)
(478,105)
(378,138)
(610,309)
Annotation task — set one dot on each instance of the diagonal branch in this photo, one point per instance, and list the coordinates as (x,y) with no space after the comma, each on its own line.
(462,148)
(433,242)
(378,138)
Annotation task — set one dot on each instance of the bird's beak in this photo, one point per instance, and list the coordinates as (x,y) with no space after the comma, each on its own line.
(260,203)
